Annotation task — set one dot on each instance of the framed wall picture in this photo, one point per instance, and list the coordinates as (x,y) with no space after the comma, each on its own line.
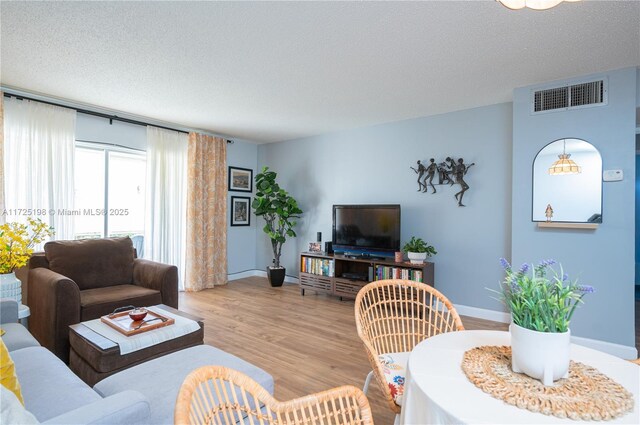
(240,179)
(240,211)
(315,247)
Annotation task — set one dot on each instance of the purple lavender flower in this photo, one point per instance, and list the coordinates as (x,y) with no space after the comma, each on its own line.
(547,263)
(585,289)
(523,268)
(505,264)
(565,277)
(515,288)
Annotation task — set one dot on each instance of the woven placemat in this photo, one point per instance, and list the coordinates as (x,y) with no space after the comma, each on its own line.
(585,395)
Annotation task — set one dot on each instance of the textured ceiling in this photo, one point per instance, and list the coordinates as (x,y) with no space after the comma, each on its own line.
(275,71)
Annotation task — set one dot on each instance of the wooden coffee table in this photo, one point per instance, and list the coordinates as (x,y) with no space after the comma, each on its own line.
(94,357)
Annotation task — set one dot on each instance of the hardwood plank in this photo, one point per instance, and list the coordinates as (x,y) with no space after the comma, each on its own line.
(307,343)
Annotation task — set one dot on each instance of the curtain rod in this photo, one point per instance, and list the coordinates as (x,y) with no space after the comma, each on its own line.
(94,142)
(111,118)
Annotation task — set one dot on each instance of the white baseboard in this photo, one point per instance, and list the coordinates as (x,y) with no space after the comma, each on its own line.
(241,275)
(258,273)
(483,313)
(287,279)
(618,350)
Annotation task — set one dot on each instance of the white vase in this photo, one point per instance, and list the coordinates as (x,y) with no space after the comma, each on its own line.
(540,355)
(10,287)
(417,257)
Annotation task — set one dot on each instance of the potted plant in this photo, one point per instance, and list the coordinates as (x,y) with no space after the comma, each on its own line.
(16,246)
(418,250)
(541,305)
(278,209)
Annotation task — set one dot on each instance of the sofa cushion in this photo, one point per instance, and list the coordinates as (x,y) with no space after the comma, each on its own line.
(159,380)
(49,387)
(124,408)
(394,366)
(17,337)
(92,263)
(100,301)
(12,411)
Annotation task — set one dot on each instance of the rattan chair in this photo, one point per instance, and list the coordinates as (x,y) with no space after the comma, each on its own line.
(392,317)
(220,396)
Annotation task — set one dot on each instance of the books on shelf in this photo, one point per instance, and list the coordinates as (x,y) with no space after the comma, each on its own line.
(386,272)
(319,266)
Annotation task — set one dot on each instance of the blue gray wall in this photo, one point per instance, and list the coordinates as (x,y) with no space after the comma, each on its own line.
(97,129)
(371,165)
(637,94)
(241,240)
(604,257)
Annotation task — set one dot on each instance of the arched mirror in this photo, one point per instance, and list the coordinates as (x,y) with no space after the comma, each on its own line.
(567,183)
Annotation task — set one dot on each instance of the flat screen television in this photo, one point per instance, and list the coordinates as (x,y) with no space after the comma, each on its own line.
(366,229)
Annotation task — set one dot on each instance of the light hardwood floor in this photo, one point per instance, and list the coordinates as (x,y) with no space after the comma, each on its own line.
(307,343)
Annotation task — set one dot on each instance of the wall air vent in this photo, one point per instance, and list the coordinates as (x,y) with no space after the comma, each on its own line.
(570,96)
(587,93)
(546,100)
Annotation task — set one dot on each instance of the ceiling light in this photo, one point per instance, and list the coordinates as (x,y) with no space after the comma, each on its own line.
(532,4)
(564,165)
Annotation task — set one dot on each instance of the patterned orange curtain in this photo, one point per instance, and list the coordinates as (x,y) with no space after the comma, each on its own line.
(206,262)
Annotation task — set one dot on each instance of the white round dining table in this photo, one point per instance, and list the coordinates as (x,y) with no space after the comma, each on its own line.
(438,392)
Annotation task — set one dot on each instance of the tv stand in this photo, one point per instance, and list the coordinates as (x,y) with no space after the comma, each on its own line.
(345,275)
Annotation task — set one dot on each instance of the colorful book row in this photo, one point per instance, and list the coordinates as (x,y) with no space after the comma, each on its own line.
(317,266)
(384,272)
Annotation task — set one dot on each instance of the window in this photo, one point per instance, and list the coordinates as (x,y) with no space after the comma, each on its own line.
(109,191)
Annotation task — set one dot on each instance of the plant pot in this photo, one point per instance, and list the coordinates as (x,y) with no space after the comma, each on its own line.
(540,355)
(10,287)
(417,257)
(276,275)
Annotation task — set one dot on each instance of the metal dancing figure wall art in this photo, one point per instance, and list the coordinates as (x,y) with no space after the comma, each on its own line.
(449,171)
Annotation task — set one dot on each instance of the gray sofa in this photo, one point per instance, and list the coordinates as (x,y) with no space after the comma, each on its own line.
(144,394)
(52,393)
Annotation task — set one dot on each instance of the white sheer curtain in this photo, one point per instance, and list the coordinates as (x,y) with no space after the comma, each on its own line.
(39,144)
(166,206)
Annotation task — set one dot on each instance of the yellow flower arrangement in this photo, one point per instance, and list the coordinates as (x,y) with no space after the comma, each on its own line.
(17,241)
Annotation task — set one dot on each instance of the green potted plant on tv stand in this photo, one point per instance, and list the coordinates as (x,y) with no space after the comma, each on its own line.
(418,250)
(279,209)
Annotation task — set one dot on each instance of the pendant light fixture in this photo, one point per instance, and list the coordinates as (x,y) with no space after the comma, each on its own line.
(532,4)
(564,165)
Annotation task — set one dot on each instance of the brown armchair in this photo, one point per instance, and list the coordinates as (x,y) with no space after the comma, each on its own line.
(75,281)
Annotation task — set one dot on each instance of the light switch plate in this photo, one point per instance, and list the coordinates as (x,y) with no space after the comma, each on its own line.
(612,175)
